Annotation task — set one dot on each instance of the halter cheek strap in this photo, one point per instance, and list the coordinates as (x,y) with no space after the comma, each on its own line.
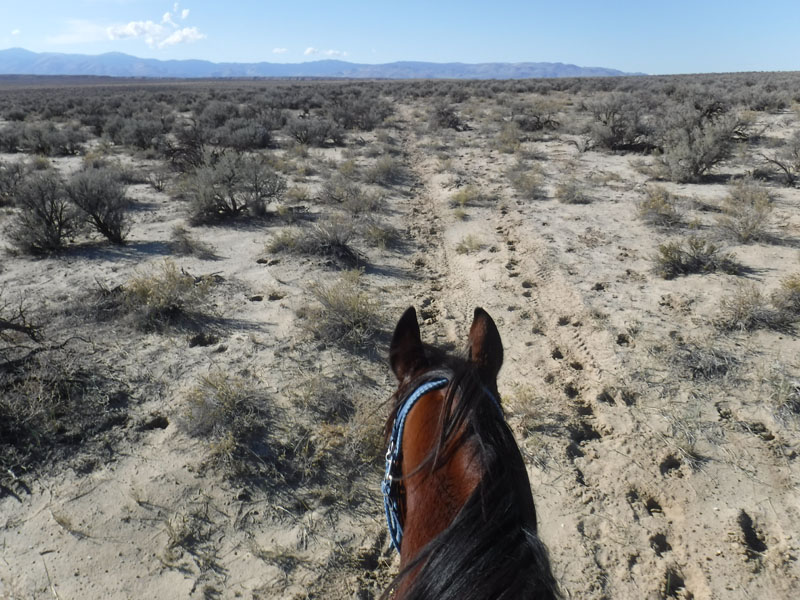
(394,456)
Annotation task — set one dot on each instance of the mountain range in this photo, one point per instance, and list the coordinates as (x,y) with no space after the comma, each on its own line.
(18,61)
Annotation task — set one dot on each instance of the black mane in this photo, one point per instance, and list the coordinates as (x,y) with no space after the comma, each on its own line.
(491,550)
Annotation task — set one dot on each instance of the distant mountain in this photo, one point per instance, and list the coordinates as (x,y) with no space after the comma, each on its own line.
(17,61)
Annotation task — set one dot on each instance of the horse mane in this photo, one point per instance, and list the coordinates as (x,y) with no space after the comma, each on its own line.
(491,550)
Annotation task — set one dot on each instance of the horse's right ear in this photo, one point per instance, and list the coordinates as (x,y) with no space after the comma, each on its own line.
(406,353)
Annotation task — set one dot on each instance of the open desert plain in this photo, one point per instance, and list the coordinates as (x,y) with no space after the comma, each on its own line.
(199,281)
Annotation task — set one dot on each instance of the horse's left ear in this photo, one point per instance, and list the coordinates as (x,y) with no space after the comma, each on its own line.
(485,346)
(406,352)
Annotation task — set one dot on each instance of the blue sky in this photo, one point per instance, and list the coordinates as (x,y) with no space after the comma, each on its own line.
(636,36)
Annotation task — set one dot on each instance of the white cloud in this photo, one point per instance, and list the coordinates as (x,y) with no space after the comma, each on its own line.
(16,32)
(184,13)
(187,34)
(156,35)
(147,30)
(280,50)
(79,31)
(310,51)
(175,7)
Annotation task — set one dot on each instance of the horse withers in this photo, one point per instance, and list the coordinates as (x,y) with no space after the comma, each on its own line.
(456,492)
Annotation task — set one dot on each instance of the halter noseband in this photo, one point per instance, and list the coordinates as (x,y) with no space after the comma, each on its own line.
(394,455)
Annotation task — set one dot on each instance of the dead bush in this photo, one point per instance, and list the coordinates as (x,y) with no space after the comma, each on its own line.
(787,159)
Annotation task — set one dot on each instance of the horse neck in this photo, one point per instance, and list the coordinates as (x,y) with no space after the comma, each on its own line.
(435,491)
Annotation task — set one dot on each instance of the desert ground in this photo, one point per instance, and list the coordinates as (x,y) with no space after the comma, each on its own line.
(196,410)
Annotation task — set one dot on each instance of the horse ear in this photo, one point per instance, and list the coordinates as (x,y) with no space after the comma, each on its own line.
(406,352)
(485,346)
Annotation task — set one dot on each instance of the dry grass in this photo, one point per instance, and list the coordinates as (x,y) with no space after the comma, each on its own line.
(747,309)
(345,315)
(571,192)
(166,296)
(469,244)
(232,415)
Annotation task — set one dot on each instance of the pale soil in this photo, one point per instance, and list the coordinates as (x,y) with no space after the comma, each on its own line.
(640,473)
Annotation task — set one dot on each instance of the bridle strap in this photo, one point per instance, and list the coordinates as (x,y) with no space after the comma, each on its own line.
(394,454)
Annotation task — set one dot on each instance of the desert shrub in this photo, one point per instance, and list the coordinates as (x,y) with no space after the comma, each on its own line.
(101,197)
(338,189)
(571,191)
(538,115)
(745,211)
(469,244)
(11,176)
(232,415)
(347,315)
(620,124)
(315,131)
(443,116)
(327,239)
(232,185)
(188,150)
(509,139)
(659,207)
(528,181)
(183,244)
(469,195)
(53,404)
(364,113)
(332,239)
(787,297)
(379,234)
(695,138)
(242,134)
(787,159)
(47,219)
(216,113)
(693,255)
(158,179)
(141,132)
(748,309)
(165,297)
(11,137)
(15,114)
(387,170)
(48,140)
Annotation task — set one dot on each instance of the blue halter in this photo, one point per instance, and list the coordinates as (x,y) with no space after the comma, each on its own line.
(394,457)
